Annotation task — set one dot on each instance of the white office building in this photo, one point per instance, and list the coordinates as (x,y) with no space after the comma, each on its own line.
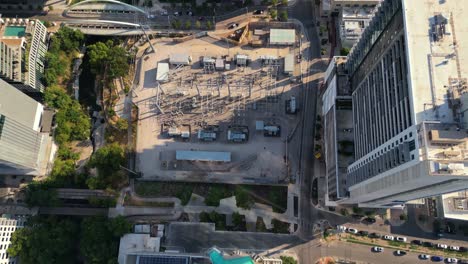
(8,225)
(25,133)
(408,74)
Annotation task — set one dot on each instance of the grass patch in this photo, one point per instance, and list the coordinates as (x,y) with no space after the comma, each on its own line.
(133,202)
(352,240)
(246,195)
(213,217)
(397,244)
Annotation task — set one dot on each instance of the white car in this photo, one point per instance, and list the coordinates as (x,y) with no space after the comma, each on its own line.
(454,248)
(451,260)
(443,246)
(352,231)
(341,228)
(377,249)
(401,239)
(424,256)
(386,237)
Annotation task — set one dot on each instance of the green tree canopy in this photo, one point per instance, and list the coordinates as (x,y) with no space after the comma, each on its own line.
(108,58)
(45,241)
(99,240)
(73,122)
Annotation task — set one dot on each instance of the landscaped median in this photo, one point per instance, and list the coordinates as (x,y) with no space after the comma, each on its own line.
(396,245)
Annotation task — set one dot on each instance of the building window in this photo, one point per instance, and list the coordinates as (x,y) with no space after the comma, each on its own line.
(2,122)
(412,145)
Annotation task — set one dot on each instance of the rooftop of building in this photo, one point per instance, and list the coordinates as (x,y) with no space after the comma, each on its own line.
(17,105)
(438,55)
(282,35)
(455,205)
(445,146)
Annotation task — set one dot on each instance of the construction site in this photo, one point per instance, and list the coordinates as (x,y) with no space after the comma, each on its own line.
(215,110)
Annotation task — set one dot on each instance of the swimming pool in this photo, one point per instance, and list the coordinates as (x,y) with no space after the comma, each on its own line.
(217,258)
(14,31)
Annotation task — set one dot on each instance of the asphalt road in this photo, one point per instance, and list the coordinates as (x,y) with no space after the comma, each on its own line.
(302,11)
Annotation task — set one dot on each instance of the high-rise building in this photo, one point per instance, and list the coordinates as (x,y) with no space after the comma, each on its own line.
(8,225)
(25,133)
(408,78)
(22,49)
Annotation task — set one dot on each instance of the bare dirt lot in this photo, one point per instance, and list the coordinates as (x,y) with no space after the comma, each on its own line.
(198,98)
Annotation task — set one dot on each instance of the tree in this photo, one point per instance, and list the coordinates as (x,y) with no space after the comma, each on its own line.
(274,14)
(108,58)
(284,2)
(284,16)
(176,24)
(197,24)
(122,124)
(40,195)
(215,194)
(243,199)
(51,8)
(403,217)
(209,25)
(99,239)
(188,24)
(45,240)
(288,260)
(107,160)
(344,51)
(274,2)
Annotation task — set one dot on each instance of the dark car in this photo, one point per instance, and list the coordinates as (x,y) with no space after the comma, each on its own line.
(369,220)
(428,244)
(437,258)
(463,249)
(258,12)
(417,242)
(375,235)
(463,261)
(363,233)
(233,26)
(400,253)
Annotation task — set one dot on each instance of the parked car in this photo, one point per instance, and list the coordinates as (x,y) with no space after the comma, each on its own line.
(463,249)
(401,239)
(189,13)
(400,253)
(258,12)
(387,237)
(233,25)
(442,246)
(375,235)
(164,13)
(428,244)
(369,220)
(377,249)
(437,258)
(417,242)
(363,233)
(201,18)
(463,261)
(454,248)
(352,230)
(341,228)
(177,13)
(451,260)
(424,256)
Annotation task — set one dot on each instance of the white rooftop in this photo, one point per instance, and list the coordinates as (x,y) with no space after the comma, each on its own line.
(455,205)
(20,107)
(137,243)
(432,63)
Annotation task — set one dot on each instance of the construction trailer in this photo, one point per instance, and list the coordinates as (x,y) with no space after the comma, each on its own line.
(162,72)
(180,59)
(272,131)
(219,65)
(291,106)
(206,135)
(238,134)
(289,64)
(207,156)
(175,132)
(242,60)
